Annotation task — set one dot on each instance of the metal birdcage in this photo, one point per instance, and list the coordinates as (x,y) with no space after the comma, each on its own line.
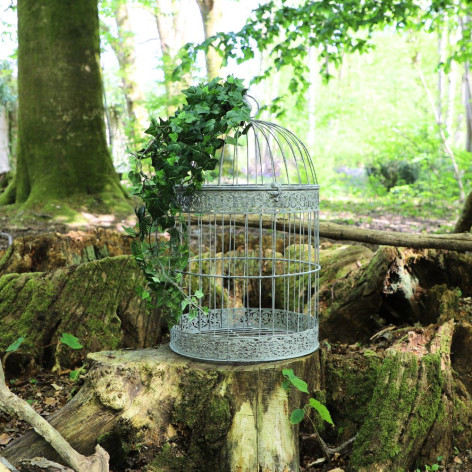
(253,233)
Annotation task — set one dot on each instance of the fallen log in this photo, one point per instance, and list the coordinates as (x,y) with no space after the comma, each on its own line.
(453,241)
(187,415)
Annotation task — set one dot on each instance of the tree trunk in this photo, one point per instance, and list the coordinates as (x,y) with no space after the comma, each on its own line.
(396,286)
(188,415)
(4,142)
(172,25)
(211,11)
(95,301)
(464,223)
(125,53)
(62,149)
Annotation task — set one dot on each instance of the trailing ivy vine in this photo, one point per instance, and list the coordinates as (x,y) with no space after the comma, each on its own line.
(182,150)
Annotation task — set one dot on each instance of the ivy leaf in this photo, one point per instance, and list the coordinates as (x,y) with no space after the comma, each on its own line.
(71,341)
(297,415)
(199,294)
(322,410)
(15,345)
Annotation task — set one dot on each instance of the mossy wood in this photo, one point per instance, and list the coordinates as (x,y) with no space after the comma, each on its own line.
(96,301)
(62,148)
(46,252)
(411,415)
(193,416)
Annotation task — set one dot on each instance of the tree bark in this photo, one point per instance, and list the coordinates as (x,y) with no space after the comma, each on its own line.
(95,301)
(62,149)
(171,24)
(409,415)
(194,416)
(125,52)
(464,223)
(211,11)
(454,242)
(47,252)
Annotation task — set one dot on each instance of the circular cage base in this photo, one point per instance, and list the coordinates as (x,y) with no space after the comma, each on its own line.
(245,335)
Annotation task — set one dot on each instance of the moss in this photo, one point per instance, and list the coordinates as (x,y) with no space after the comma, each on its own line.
(350,385)
(53,302)
(169,459)
(405,404)
(25,301)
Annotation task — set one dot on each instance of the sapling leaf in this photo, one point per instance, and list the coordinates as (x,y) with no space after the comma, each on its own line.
(286,384)
(15,345)
(322,410)
(300,384)
(297,415)
(71,341)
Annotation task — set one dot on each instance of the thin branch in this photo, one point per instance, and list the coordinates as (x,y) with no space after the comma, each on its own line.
(14,405)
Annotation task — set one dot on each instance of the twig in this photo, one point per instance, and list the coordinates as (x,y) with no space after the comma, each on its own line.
(329,452)
(14,405)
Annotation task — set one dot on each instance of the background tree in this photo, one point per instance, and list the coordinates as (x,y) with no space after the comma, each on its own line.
(124,48)
(212,12)
(62,149)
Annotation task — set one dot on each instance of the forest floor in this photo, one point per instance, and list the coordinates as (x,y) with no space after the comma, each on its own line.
(48,392)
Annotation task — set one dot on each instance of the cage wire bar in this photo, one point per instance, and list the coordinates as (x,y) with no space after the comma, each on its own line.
(253,230)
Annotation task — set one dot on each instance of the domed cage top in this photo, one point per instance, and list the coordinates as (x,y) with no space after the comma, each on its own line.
(253,234)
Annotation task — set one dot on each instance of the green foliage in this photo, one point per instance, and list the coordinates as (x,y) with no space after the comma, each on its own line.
(182,150)
(15,345)
(71,341)
(394,172)
(335,28)
(298,414)
(77,373)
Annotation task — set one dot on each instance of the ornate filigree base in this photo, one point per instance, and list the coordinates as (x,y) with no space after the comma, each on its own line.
(246,335)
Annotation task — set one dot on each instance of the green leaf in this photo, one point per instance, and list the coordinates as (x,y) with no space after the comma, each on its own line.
(286,384)
(129,231)
(322,410)
(199,294)
(71,341)
(299,384)
(288,373)
(297,415)
(15,345)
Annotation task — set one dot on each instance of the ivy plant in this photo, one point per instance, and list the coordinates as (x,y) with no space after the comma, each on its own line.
(182,149)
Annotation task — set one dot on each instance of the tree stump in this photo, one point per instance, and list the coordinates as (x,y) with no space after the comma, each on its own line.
(95,301)
(189,415)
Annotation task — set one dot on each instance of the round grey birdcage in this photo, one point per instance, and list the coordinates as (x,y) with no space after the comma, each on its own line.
(253,234)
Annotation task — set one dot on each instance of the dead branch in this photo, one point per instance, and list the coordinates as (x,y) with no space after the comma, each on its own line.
(14,405)
(452,242)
